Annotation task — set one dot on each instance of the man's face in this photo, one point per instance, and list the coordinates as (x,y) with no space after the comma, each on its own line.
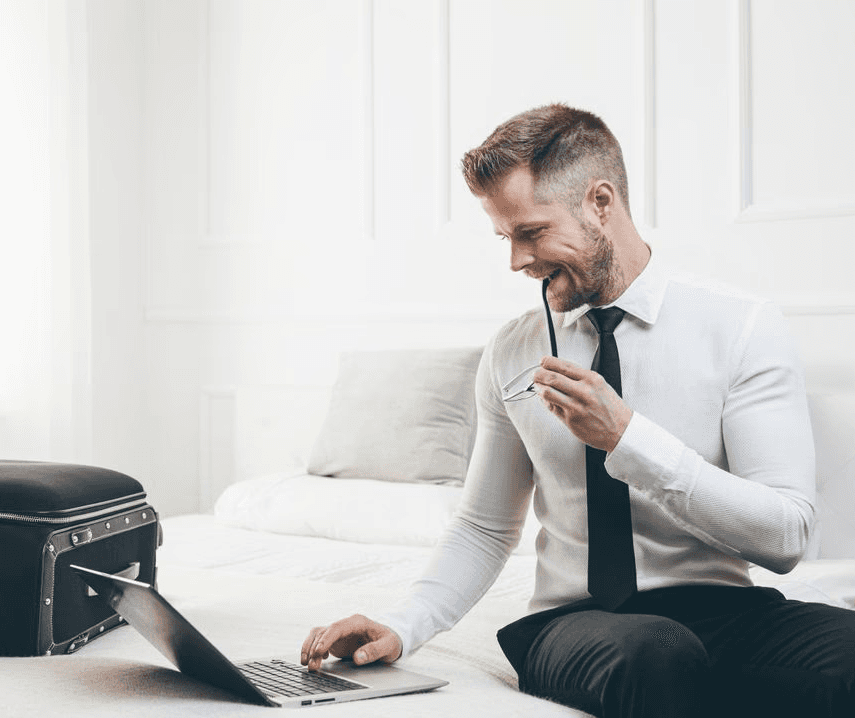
(548,240)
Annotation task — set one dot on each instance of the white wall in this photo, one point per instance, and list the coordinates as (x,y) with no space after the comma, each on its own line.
(271,181)
(118,189)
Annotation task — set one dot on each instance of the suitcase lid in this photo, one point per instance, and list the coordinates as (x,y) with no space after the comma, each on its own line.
(34,490)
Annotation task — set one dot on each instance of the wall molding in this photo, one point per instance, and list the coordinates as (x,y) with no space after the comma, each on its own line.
(748,210)
(354,316)
(745,121)
(760,213)
(650,134)
(644,104)
(442,114)
(366,31)
(204,131)
(374,316)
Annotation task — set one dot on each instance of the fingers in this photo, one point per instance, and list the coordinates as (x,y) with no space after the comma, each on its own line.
(583,401)
(312,652)
(568,379)
(358,637)
(387,648)
(562,366)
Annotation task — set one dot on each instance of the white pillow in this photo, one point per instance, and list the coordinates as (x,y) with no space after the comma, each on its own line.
(359,510)
(400,416)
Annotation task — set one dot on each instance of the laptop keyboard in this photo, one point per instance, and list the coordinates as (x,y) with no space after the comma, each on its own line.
(280,678)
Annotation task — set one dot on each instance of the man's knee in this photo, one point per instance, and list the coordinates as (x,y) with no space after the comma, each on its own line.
(660,657)
(660,643)
(642,664)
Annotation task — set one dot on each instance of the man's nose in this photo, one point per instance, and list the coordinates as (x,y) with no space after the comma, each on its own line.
(521,256)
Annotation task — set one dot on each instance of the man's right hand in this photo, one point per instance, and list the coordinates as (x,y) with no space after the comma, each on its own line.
(358,637)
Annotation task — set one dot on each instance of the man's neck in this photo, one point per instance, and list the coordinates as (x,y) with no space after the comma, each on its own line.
(632,254)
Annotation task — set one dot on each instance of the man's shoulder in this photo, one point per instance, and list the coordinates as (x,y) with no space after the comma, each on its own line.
(707,292)
(522,328)
(721,311)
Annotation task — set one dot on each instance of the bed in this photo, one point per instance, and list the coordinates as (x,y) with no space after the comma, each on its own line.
(340,529)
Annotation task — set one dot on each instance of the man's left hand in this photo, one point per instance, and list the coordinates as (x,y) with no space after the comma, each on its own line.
(584,401)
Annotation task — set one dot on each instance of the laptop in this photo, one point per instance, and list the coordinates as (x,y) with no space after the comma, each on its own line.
(270,681)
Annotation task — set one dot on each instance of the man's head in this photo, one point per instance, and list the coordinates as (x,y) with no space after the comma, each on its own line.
(553,182)
(563,148)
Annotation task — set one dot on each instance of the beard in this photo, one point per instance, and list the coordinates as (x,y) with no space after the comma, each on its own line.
(595,281)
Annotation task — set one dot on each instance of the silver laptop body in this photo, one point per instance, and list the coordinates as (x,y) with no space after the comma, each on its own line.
(269,681)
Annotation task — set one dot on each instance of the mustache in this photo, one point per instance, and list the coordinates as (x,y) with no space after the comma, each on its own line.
(541,274)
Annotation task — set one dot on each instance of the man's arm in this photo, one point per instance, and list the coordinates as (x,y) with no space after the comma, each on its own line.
(467,559)
(761,508)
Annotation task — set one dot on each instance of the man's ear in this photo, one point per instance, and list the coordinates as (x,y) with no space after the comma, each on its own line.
(600,201)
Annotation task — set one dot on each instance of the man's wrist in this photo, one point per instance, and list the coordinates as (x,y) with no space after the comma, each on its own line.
(623,423)
(645,453)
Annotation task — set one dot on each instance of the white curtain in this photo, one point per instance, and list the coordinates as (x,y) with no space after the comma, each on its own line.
(43,335)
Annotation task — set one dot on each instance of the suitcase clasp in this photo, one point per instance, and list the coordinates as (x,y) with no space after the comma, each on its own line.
(79,642)
(81,537)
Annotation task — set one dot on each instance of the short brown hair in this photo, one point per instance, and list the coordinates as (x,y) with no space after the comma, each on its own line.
(563,147)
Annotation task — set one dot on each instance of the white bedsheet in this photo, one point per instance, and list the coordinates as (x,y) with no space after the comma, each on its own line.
(249,616)
(201,541)
(256,594)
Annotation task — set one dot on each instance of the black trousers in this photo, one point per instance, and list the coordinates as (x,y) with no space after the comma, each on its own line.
(690,651)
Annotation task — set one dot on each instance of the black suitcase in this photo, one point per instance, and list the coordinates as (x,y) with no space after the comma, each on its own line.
(55,515)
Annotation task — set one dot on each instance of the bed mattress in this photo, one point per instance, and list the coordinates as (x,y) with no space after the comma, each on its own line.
(256,594)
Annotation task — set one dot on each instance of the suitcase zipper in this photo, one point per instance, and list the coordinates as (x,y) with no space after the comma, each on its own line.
(29,518)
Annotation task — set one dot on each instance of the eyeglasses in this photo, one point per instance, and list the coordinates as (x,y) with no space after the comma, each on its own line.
(522,385)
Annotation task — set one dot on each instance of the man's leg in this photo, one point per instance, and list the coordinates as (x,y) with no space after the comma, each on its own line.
(619,666)
(786,659)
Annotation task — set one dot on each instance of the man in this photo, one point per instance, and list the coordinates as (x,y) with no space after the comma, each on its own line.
(684,455)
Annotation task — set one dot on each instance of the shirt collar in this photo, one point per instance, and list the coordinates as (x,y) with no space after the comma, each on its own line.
(642,298)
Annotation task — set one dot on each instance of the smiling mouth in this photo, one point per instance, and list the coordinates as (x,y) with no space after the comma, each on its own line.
(541,278)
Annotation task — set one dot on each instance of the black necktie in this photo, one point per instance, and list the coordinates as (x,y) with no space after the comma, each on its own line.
(611,558)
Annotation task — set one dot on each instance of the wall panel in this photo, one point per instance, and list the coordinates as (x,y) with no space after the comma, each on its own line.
(256,135)
(410,119)
(801,108)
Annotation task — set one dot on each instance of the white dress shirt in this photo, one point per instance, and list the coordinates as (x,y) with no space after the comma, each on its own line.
(718,454)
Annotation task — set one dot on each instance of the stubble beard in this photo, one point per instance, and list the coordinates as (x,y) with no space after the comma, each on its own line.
(600,278)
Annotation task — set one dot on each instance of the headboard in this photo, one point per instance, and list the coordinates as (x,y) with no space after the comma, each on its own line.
(833,421)
(252,430)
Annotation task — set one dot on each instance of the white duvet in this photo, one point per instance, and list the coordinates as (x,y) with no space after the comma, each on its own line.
(256,593)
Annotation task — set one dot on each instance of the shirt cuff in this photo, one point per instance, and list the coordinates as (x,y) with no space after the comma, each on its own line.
(646,457)
(404,624)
